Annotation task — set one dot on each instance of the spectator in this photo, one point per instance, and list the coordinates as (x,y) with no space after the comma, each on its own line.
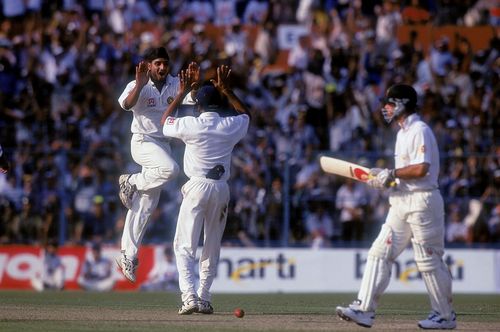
(494,223)
(62,70)
(225,12)
(164,275)
(319,225)
(298,56)
(50,276)
(97,271)
(456,230)
(351,201)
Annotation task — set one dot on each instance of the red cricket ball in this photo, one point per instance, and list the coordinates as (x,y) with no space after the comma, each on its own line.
(238,312)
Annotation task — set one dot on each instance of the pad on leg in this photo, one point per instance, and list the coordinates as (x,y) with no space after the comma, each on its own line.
(436,277)
(377,271)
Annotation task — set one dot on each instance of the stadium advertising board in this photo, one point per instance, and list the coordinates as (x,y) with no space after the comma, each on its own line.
(244,270)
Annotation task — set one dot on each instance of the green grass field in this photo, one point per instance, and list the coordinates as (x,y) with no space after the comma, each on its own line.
(134,311)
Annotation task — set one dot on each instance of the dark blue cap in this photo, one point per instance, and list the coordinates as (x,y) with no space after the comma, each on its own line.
(208,97)
(156,53)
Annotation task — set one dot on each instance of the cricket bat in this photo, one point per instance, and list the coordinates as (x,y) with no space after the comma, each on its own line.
(344,168)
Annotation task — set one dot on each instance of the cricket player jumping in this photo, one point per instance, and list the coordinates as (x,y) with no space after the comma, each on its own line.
(210,139)
(147,97)
(416,215)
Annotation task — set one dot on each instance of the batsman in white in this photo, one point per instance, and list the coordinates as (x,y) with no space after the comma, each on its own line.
(416,215)
(147,97)
(210,139)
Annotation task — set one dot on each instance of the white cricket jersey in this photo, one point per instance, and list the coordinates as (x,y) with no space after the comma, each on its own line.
(209,140)
(151,105)
(416,144)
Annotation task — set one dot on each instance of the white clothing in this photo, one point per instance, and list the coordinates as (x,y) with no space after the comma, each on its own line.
(314,89)
(225,12)
(416,215)
(255,12)
(298,57)
(209,141)
(163,276)
(151,150)
(456,231)
(348,199)
(322,223)
(204,11)
(97,275)
(12,8)
(415,144)
(51,274)
(150,106)
(163,271)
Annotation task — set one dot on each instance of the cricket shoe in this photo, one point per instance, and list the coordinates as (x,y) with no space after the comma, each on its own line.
(128,267)
(127,190)
(189,306)
(356,315)
(204,307)
(435,322)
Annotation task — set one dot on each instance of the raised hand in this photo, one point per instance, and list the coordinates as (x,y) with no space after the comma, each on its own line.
(194,70)
(142,74)
(186,80)
(222,82)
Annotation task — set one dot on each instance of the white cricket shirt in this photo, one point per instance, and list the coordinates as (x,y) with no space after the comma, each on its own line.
(209,140)
(416,144)
(151,105)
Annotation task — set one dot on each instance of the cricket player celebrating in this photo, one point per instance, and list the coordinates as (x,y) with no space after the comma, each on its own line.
(209,140)
(416,215)
(147,97)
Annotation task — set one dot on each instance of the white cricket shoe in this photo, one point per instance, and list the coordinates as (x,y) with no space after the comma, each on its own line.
(356,315)
(127,190)
(435,322)
(205,307)
(128,267)
(189,306)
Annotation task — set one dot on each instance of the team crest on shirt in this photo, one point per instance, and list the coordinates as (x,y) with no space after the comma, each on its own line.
(170,120)
(422,149)
(170,100)
(151,102)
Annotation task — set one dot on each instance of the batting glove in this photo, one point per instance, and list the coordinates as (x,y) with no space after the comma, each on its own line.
(381,178)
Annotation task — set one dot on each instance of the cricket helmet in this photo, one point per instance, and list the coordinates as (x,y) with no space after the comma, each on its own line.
(404,99)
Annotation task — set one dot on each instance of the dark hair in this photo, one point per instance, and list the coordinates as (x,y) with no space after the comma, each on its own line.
(156,53)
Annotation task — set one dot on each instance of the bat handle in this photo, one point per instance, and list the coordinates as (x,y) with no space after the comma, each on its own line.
(392,184)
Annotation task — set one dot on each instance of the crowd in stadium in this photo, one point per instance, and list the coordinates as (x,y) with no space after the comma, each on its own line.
(63,65)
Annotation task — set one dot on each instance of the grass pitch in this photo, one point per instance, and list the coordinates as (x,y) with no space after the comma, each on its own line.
(135,311)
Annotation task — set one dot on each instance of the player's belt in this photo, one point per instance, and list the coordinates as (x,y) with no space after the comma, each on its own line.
(216,172)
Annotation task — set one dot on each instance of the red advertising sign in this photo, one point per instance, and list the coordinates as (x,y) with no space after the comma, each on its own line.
(20,264)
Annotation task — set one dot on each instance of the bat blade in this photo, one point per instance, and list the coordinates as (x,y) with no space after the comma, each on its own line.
(344,168)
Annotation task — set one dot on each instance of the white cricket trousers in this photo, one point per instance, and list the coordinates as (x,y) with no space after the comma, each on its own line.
(204,205)
(158,167)
(416,218)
